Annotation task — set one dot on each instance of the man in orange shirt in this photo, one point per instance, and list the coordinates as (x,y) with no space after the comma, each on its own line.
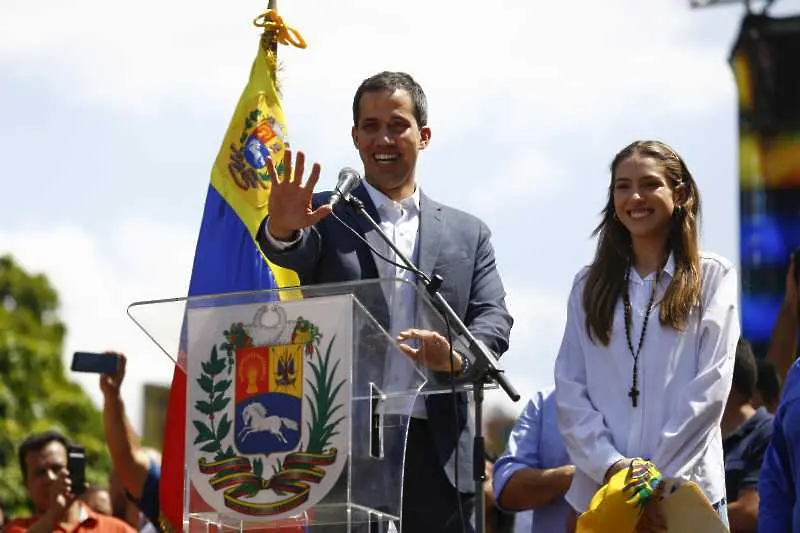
(43,461)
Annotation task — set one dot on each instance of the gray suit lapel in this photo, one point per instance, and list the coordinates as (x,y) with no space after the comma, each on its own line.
(379,308)
(370,234)
(431,226)
(440,407)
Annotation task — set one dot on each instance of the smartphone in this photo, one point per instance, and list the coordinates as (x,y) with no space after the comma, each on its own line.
(76,465)
(98,363)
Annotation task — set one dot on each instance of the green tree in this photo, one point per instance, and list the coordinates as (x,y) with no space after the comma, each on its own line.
(35,392)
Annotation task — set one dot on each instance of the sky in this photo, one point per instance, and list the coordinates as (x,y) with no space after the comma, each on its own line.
(111,115)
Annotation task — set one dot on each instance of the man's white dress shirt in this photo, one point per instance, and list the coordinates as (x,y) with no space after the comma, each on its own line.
(400,221)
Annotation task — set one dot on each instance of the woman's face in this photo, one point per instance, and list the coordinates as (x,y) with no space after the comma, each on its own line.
(644,198)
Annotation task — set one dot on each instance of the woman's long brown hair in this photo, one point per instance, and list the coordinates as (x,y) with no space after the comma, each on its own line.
(606,279)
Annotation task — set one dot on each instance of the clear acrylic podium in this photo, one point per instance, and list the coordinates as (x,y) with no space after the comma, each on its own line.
(298,403)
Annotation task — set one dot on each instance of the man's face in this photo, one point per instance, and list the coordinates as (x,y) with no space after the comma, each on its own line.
(388,140)
(41,469)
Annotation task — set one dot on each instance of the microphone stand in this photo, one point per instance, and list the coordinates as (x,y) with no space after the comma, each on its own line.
(485,370)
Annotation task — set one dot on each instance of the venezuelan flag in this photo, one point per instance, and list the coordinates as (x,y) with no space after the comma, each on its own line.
(227,258)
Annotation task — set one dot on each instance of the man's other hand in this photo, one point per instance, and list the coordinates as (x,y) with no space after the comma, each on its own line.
(433,350)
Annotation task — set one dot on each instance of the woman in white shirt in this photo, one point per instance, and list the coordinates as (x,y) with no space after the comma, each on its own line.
(646,361)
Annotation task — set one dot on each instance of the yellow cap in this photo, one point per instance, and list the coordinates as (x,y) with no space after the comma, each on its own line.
(618,504)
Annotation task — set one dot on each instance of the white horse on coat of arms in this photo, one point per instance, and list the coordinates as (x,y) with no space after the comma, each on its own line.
(255,419)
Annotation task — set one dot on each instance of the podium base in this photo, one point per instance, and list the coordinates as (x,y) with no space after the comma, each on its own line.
(333,518)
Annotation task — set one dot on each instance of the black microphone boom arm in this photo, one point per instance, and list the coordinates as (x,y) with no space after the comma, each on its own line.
(487,368)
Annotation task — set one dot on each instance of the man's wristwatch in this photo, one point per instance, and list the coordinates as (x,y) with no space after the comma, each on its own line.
(466,364)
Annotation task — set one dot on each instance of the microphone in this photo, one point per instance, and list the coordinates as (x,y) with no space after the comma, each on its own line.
(348,180)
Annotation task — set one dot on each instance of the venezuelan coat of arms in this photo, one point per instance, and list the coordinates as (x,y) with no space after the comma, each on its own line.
(268,404)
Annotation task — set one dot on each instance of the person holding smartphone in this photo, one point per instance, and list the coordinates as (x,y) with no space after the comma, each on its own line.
(138,470)
(43,459)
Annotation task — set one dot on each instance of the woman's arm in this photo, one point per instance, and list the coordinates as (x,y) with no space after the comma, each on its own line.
(692,425)
(583,428)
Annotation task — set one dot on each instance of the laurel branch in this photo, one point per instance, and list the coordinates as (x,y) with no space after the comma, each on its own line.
(323,406)
(217,429)
(251,120)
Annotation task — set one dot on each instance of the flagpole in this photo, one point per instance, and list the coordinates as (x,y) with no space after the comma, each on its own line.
(270,35)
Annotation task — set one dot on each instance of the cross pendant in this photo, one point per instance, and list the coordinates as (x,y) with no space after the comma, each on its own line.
(634,395)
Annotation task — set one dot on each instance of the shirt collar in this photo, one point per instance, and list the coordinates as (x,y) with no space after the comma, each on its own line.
(85,513)
(668,269)
(669,266)
(382,201)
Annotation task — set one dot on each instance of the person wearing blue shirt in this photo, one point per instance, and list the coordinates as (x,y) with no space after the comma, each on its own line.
(746,433)
(779,507)
(535,472)
(783,341)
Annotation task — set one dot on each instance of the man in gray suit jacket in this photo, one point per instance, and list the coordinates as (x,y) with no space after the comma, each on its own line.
(389,129)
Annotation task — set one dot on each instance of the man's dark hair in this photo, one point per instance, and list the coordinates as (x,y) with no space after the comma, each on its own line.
(392,81)
(769,383)
(745,371)
(36,442)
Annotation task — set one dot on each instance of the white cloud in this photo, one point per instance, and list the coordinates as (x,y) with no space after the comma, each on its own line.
(539,316)
(504,182)
(571,60)
(97,274)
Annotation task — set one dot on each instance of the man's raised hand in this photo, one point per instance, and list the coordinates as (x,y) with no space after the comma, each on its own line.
(290,206)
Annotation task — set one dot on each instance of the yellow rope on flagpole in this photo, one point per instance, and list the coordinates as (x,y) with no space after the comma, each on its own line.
(273,23)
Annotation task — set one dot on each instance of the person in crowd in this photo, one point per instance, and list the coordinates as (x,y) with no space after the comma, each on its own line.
(498,424)
(646,361)
(783,342)
(779,480)
(98,499)
(535,472)
(745,435)
(124,507)
(497,521)
(768,387)
(390,128)
(138,471)
(43,461)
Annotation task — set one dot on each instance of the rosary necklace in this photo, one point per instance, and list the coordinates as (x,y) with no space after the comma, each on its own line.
(633,393)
